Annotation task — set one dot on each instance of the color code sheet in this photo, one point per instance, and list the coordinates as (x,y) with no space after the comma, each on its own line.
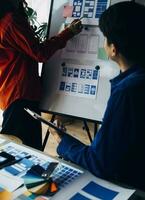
(97,191)
(89,10)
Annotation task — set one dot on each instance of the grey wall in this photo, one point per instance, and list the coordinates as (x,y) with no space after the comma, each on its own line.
(140,1)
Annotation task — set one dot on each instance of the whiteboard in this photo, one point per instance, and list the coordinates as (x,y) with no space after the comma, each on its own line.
(74,105)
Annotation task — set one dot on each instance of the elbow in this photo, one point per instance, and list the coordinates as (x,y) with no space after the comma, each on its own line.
(41,57)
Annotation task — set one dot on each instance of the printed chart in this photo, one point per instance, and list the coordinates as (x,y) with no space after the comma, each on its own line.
(78,80)
(91,10)
(84,46)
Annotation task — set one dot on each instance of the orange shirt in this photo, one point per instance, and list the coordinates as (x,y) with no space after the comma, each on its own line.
(20,52)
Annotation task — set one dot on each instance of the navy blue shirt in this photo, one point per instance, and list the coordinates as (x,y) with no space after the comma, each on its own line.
(118,149)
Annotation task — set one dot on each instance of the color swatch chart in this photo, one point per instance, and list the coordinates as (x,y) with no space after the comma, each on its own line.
(63,174)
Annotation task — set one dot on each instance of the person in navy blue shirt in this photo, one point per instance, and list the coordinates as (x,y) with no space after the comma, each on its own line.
(117,152)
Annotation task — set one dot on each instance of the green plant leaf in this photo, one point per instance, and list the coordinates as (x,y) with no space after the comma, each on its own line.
(40,29)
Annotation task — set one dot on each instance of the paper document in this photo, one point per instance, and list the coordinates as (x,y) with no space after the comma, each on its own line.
(97,191)
(93,188)
(9,182)
(78,80)
(90,10)
(85,45)
(2,140)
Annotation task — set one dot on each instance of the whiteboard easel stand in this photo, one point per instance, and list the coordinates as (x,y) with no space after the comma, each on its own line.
(85,126)
(47,134)
(87,130)
(50,18)
(48,32)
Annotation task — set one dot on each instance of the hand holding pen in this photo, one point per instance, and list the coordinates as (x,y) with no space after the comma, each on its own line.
(76,26)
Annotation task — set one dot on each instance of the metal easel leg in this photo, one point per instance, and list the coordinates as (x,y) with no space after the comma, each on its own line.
(87,130)
(95,129)
(47,134)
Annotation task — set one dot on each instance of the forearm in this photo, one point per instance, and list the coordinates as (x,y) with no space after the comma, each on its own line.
(72,149)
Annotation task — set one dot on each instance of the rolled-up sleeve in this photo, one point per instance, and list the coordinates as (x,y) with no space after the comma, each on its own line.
(20,37)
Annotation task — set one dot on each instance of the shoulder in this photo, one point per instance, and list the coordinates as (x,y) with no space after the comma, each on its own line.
(10,20)
(6,20)
(132,82)
(14,22)
(5,26)
(129,92)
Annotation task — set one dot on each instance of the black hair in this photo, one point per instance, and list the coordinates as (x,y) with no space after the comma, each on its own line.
(13,6)
(123,24)
(5,7)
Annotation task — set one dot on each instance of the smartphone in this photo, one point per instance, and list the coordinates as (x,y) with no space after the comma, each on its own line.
(50,169)
(41,172)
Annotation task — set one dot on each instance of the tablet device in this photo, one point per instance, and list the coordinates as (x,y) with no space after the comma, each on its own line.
(41,119)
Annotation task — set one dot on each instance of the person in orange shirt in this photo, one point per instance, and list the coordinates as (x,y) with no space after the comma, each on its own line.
(20,86)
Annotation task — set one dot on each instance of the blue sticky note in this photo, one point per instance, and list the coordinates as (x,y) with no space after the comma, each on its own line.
(79,196)
(99,191)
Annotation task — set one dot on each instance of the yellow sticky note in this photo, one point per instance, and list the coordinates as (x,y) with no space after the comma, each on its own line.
(5,195)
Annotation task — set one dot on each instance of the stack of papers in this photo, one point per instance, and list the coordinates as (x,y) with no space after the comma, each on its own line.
(12,184)
(2,140)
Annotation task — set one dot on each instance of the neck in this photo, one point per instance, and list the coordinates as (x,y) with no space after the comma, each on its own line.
(123,63)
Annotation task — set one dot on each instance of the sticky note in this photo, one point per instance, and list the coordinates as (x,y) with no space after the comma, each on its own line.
(5,195)
(67,11)
(102,54)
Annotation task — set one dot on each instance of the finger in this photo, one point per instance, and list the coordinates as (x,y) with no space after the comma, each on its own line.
(77,22)
(74,21)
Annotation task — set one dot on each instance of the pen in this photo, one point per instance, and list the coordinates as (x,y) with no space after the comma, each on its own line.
(79,22)
(81,17)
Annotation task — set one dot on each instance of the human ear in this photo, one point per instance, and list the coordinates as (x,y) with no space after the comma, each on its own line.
(113,49)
